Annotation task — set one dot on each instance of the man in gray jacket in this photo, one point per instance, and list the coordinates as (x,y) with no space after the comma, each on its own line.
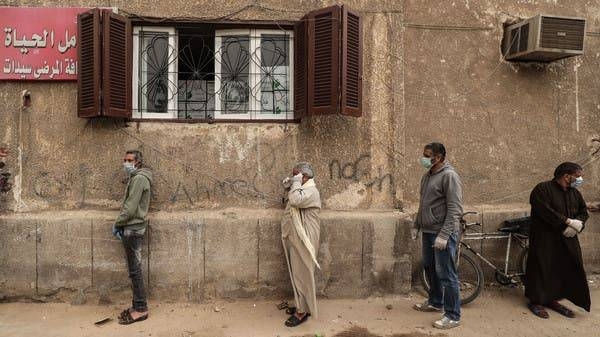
(440,210)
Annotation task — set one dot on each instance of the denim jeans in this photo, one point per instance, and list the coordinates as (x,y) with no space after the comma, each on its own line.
(132,242)
(440,268)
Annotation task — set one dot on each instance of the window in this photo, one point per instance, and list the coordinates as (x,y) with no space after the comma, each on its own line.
(220,70)
(204,74)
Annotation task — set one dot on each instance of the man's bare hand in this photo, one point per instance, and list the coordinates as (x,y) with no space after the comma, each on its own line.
(3,152)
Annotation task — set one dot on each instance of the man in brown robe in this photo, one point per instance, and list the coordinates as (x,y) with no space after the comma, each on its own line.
(555,265)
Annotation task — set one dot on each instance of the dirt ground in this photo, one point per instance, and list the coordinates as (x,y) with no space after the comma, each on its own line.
(497,312)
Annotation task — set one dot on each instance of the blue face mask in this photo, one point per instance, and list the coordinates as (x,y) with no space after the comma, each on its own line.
(426,162)
(129,167)
(577,183)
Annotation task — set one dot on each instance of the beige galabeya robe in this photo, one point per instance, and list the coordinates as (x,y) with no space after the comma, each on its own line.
(300,229)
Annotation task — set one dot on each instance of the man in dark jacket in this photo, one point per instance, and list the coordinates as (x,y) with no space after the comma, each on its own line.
(554,264)
(440,210)
(130,227)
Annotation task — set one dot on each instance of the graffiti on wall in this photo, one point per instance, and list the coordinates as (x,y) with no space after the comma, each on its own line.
(360,170)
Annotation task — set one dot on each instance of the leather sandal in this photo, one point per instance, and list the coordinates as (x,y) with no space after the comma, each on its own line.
(561,309)
(124,312)
(295,321)
(538,310)
(127,319)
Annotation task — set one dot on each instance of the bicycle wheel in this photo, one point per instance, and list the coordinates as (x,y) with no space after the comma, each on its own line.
(470,278)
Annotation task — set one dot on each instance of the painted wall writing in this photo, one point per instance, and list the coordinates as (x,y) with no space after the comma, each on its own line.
(360,170)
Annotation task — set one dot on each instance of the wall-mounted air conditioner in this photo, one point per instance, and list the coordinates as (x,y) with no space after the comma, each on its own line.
(544,38)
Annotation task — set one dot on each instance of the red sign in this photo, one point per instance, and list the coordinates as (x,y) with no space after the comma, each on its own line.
(39,43)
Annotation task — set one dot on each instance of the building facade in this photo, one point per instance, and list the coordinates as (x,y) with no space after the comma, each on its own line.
(224,98)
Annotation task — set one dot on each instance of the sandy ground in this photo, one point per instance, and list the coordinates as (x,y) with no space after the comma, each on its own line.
(497,312)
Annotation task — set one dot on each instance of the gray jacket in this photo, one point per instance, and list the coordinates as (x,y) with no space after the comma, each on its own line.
(440,205)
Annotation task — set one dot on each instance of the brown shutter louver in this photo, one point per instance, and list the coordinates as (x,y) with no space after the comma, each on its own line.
(88,65)
(351,82)
(117,65)
(323,60)
(300,69)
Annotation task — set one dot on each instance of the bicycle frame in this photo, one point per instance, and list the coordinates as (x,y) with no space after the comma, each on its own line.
(521,239)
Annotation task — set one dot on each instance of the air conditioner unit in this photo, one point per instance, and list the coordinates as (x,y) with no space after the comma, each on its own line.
(544,38)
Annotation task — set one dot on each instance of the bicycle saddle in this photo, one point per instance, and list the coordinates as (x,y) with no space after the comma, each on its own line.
(518,225)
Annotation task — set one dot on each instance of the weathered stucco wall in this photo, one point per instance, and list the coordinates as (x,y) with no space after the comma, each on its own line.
(507,126)
(432,71)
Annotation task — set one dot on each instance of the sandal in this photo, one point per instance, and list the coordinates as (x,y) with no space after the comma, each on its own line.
(538,310)
(126,319)
(295,321)
(123,313)
(561,309)
(290,310)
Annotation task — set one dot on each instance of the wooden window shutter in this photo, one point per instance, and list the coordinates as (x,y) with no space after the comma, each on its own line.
(351,70)
(300,69)
(117,65)
(323,61)
(88,65)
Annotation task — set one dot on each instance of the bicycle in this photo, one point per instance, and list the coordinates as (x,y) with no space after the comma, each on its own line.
(470,274)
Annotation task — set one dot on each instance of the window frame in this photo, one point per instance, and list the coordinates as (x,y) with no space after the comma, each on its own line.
(172,106)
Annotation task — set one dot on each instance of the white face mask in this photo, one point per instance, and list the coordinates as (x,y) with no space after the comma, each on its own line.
(128,167)
(577,183)
(426,162)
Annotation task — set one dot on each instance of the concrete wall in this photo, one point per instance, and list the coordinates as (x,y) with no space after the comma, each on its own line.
(199,255)
(431,72)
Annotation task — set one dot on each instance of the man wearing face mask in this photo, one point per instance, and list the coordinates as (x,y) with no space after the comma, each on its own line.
(554,264)
(130,227)
(438,218)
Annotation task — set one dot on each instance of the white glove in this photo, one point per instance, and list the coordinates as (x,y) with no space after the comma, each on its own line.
(286,182)
(297,177)
(440,244)
(569,232)
(575,224)
(414,232)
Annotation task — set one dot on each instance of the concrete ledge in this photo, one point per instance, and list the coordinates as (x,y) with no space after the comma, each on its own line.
(233,253)
(192,256)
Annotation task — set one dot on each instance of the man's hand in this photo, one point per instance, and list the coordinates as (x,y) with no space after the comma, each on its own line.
(575,224)
(414,232)
(117,232)
(440,244)
(3,152)
(298,178)
(569,232)
(286,182)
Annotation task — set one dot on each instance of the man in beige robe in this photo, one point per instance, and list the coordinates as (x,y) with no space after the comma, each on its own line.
(300,229)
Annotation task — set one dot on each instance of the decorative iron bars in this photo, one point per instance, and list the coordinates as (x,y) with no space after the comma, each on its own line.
(190,74)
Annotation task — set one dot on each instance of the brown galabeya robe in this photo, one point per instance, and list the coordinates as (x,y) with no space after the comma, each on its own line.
(555,265)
